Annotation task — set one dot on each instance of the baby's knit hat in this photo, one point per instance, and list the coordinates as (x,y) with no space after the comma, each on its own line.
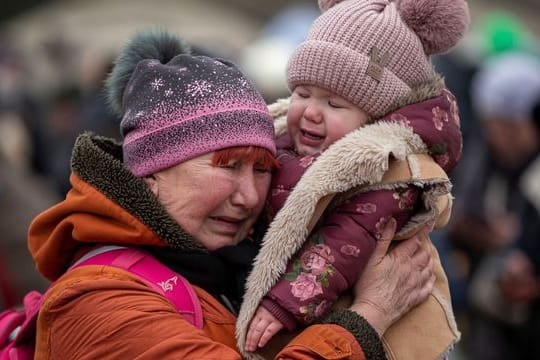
(373,52)
(176,106)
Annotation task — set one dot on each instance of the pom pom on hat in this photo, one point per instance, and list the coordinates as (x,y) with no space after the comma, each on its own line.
(439,24)
(150,44)
(327,4)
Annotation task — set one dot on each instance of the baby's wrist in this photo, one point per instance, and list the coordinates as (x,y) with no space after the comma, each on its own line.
(281,314)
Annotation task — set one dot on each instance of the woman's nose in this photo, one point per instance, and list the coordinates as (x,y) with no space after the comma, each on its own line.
(247,193)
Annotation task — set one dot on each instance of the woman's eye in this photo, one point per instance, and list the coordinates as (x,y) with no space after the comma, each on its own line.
(261,169)
(232,165)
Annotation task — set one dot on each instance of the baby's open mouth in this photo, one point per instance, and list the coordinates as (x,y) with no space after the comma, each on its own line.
(310,135)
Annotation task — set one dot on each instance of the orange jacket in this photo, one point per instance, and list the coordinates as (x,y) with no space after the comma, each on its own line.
(101,312)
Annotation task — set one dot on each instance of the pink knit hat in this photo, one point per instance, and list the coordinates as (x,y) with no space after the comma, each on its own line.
(176,106)
(373,52)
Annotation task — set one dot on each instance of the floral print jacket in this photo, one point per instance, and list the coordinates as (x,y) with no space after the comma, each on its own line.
(342,242)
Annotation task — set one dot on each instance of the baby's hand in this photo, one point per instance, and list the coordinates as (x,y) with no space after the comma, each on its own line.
(263,326)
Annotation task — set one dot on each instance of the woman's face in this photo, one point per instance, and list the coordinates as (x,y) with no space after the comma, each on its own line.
(218,205)
(512,142)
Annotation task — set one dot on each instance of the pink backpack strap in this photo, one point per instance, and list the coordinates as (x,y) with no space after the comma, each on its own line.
(158,276)
(18,328)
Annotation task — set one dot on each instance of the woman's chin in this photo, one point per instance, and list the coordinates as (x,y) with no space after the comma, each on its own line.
(218,240)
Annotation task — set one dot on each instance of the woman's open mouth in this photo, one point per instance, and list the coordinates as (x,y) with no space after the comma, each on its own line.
(227,224)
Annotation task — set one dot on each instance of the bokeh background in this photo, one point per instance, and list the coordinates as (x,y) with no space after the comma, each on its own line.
(55,54)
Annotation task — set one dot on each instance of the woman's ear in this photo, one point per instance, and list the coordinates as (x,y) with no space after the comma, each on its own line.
(152,183)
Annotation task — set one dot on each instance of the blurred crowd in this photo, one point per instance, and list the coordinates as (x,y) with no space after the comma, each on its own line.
(36,136)
(490,250)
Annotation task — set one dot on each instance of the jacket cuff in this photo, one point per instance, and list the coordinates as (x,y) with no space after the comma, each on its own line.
(364,333)
(280,313)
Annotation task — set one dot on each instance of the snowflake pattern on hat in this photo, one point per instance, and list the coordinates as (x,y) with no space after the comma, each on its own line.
(188,107)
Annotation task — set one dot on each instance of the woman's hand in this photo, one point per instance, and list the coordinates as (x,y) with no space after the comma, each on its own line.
(394,281)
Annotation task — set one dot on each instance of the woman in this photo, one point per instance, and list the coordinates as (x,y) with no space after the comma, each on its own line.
(188,184)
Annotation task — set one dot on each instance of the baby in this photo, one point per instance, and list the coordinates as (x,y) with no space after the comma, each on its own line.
(363,87)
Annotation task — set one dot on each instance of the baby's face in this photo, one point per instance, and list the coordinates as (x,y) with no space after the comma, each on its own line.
(317,118)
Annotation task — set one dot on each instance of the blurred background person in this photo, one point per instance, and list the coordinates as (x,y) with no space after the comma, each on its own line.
(498,214)
(467,241)
(23,194)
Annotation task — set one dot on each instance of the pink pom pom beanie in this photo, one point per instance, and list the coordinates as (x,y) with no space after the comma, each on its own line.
(176,106)
(373,52)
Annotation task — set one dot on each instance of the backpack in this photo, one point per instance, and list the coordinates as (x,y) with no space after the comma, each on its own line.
(18,325)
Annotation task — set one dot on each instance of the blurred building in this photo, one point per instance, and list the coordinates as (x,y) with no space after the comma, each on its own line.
(63,40)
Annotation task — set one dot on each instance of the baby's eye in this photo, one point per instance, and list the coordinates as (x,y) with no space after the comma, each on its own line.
(335,104)
(301,92)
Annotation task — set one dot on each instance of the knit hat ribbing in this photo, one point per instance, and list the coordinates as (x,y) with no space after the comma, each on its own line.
(176,106)
(372,52)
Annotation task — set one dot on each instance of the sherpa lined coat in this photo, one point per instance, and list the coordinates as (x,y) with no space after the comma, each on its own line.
(296,290)
(101,312)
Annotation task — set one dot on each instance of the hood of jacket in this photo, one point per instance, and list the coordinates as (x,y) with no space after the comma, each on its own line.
(106,204)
